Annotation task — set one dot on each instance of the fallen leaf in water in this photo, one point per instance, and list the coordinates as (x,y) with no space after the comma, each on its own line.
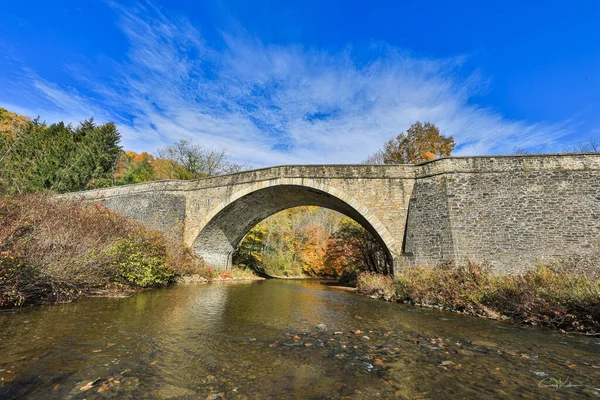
(87,387)
(90,385)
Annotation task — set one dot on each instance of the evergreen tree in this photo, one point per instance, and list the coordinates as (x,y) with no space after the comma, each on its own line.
(60,158)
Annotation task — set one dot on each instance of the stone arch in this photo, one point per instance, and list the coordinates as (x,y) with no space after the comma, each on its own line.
(228,222)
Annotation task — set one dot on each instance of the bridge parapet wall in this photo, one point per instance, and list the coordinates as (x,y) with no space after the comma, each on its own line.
(511,211)
(508,163)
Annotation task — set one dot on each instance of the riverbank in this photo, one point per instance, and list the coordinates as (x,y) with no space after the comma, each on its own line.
(60,250)
(563,296)
(236,274)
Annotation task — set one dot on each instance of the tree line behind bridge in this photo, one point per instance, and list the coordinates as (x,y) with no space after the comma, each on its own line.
(36,157)
(58,157)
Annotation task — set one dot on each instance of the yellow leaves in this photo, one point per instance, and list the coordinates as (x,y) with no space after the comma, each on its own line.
(168,169)
(421,142)
(291,242)
(145,167)
(11,123)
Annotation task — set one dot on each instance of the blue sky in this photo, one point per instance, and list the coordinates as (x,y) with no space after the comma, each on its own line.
(309,81)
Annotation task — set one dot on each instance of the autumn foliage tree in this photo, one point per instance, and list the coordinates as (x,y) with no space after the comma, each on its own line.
(134,168)
(311,241)
(249,253)
(351,249)
(11,123)
(421,142)
(290,243)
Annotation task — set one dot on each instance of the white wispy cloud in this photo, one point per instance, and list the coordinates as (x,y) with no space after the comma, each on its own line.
(268,104)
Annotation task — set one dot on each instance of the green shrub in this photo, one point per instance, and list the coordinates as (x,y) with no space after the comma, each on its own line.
(141,263)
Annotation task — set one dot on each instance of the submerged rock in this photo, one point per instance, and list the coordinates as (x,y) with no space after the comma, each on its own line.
(217,396)
(172,391)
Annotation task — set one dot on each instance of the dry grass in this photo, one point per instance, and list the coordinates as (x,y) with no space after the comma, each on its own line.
(57,250)
(560,296)
(376,285)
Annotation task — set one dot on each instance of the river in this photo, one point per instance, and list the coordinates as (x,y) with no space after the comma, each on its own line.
(281,339)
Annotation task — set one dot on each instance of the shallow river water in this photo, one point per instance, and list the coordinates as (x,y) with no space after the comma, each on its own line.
(281,339)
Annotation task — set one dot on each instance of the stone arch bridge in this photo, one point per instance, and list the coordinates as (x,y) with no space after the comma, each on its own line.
(511,211)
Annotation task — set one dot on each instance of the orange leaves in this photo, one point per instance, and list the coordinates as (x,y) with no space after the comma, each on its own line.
(428,155)
(138,158)
(310,240)
(292,242)
(143,167)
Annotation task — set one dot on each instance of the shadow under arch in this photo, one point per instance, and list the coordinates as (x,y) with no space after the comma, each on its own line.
(227,224)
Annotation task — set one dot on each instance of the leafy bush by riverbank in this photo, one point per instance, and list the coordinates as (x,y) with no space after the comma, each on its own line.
(557,296)
(57,250)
